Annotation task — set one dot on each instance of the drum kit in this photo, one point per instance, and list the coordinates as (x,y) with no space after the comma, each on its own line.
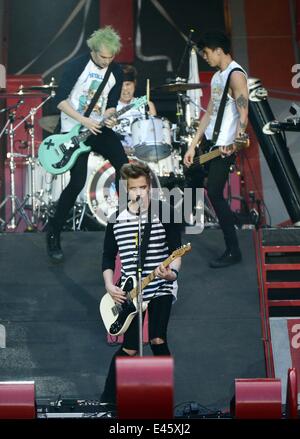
(18,209)
(154,141)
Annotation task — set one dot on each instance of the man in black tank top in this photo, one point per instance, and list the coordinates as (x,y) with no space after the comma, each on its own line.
(215,48)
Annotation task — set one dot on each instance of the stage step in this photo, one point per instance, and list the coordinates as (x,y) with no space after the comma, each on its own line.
(278,257)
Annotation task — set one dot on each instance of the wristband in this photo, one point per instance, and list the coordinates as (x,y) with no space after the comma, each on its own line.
(175,271)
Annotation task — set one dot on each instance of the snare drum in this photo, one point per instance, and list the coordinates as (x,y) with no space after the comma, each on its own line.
(102,196)
(151,138)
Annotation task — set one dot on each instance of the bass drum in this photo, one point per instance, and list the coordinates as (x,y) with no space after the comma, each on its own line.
(102,196)
(48,187)
(151,138)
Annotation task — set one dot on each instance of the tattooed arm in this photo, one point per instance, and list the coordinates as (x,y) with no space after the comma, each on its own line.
(238,85)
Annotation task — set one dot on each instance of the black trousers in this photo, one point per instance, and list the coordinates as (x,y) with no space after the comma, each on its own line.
(217,172)
(159,310)
(109,146)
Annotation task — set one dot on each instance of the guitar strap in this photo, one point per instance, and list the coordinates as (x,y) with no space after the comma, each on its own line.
(222,108)
(93,102)
(98,92)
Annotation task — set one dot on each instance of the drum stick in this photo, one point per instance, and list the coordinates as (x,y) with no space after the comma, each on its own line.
(148,90)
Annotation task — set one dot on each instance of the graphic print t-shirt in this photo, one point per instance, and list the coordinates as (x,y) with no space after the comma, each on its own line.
(83,92)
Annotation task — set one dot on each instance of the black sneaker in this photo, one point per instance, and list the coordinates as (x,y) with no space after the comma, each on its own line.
(53,246)
(228,258)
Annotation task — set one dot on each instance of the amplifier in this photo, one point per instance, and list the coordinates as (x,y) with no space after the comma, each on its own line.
(73,408)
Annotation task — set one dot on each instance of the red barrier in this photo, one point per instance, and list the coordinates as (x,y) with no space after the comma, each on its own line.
(17,400)
(257,398)
(292,395)
(145,387)
(297,19)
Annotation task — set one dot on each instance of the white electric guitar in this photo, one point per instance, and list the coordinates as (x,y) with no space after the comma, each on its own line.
(117,317)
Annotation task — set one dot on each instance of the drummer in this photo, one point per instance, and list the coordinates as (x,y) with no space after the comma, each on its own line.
(123,128)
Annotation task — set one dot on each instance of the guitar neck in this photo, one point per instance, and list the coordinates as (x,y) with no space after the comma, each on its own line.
(85,134)
(209,156)
(216,152)
(134,292)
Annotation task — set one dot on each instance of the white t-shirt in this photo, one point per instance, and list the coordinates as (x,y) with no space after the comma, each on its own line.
(229,123)
(126,120)
(83,92)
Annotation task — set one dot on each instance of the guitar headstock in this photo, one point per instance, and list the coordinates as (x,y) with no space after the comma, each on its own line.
(140,101)
(182,250)
(242,141)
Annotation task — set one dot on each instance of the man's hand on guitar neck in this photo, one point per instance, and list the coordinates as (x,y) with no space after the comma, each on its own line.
(94,126)
(228,150)
(111,121)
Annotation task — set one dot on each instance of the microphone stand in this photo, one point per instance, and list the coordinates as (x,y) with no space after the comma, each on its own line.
(139,277)
(187,45)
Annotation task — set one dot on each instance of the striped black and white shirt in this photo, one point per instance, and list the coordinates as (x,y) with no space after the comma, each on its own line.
(121,236)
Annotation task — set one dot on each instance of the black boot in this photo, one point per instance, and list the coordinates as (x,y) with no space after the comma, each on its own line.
(53,245)
(227,258)
(108,396)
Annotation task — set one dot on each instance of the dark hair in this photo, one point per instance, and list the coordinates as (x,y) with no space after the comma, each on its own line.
(130,73)
(213,40)
(136,169)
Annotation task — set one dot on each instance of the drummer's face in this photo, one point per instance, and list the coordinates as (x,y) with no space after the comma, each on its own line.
(127,92)
(138,186)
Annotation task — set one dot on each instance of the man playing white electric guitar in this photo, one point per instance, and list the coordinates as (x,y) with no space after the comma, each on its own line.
(161,239)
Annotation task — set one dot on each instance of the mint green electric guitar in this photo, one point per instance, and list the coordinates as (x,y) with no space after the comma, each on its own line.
(58,153)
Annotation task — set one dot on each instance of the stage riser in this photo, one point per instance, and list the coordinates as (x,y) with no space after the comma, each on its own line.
(55,336)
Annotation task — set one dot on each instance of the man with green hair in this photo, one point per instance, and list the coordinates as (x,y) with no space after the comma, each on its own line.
(75,92)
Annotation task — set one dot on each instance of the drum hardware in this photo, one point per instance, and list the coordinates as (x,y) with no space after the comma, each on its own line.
(32,161)
(178,87)
(31,197)
(49,123)
(17,207)
(45,87)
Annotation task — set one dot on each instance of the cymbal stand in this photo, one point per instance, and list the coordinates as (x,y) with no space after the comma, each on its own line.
(16,205)
(32,158)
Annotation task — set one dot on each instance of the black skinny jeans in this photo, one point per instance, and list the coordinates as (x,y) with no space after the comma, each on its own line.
(218,170)
(159,310)
(109,146)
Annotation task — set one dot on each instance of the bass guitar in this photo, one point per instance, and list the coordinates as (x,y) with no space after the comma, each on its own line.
(59,152)
(240,142)
(117,317)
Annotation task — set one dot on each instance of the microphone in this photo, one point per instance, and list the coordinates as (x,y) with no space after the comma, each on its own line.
(20,102)
(138,198)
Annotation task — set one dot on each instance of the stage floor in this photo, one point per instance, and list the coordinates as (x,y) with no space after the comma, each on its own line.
(54,334)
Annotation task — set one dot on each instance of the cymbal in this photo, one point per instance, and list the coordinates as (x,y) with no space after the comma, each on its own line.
(45,87)
(178,87)
(8,94)
(48,123)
